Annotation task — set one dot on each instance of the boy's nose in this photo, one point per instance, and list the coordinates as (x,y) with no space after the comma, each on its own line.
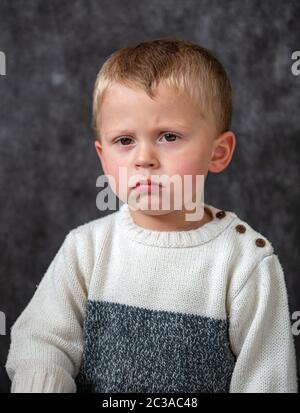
(145,163)
(146,157)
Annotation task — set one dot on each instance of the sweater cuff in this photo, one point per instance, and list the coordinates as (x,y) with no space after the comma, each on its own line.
(43,382)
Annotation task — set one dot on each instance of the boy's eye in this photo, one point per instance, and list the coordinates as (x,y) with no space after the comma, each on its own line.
(169,136)
(122,140)
(173,137)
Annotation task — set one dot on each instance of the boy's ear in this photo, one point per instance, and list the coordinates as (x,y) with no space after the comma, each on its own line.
(223,149)
(99,151)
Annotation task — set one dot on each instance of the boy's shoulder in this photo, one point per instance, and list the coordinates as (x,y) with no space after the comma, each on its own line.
(94,226)
(92,234)
(247,249)
(240,248)
(247,239)
(84,243)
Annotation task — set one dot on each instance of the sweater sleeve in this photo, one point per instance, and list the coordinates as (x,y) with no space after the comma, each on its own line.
(46,339)
(260,333)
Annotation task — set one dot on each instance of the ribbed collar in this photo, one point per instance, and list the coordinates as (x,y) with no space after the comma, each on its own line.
(176,239)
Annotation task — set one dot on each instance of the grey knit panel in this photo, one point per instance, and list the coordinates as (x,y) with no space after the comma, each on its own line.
(131,349)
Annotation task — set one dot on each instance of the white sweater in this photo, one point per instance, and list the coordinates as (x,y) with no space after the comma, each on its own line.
(125,309)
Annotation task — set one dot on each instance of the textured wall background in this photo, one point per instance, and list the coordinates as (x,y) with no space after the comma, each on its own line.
(48,165)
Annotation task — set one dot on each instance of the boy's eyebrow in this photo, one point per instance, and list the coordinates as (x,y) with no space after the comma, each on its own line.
(158,128)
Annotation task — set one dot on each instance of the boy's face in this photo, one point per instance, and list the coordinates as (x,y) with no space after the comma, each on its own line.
(164,136)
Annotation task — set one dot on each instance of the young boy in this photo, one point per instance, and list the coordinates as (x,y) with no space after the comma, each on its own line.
(144,299)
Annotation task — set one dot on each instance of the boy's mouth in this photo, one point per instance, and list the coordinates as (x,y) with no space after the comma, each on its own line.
(145,187)
(146,183)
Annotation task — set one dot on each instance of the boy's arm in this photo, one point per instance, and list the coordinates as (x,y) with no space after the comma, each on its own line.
(46,339)
(260,333)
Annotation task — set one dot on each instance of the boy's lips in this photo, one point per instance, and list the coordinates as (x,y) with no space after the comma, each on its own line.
(145,187)
(146,183)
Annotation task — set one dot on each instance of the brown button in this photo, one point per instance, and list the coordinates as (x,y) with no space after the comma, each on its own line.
(220,214)
(260,242)
(240,228)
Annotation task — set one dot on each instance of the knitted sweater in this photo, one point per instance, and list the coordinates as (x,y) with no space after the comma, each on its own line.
(125,309)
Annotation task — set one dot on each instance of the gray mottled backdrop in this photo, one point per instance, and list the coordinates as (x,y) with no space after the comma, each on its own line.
(48,165)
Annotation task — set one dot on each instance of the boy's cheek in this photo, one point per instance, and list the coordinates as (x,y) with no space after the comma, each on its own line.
(188,167)
(113,167)
(118,177)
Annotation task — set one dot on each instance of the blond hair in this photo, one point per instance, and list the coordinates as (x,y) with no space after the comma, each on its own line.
(183,65)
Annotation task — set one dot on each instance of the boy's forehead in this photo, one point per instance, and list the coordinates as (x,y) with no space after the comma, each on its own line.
(121,100)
